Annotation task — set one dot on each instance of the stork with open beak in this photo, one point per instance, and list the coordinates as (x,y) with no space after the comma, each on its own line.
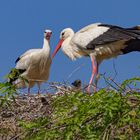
(98,41)
(34,65)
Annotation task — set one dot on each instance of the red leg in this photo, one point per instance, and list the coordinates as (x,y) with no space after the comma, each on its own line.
(94,69)
(97,77)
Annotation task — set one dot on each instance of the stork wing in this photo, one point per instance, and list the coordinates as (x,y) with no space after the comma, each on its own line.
(101,34)
(26,53)
(24,60)
(135,29)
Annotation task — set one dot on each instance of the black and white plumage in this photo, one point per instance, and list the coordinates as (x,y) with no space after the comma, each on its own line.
(99,41)
(34,65)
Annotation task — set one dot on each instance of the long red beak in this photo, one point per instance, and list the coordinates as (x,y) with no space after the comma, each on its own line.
(57,47)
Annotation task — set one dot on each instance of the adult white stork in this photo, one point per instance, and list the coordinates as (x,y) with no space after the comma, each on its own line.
(34,65)
(99,41)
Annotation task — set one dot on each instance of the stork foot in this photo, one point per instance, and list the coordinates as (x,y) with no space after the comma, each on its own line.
(94,89)
(38,93)
(28,91)
(88,90)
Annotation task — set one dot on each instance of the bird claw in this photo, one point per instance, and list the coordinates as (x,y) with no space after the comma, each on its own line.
(88,89)
(38,93)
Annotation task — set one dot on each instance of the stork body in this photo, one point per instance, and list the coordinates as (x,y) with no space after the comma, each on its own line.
(34,65)
(99,42)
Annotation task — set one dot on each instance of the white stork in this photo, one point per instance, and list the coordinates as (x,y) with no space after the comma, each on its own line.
(99,41)
(34,65)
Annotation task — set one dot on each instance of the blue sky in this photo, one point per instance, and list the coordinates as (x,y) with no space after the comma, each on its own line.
(22,23)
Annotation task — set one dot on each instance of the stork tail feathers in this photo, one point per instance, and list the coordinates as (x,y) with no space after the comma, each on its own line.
(132,45)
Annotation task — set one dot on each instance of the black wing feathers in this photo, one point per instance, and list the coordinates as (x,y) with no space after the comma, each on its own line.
(114,33)
(131,45)
(131,32)
(17,59)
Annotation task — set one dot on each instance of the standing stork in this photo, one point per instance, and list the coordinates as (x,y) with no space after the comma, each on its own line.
(34,65)
(98,41)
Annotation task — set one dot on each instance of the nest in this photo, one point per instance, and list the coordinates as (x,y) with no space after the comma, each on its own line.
(22,108)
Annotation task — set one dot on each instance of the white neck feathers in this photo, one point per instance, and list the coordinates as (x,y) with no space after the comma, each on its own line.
(70,49)
(46,46)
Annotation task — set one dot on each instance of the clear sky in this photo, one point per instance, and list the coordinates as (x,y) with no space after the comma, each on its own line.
(22,23)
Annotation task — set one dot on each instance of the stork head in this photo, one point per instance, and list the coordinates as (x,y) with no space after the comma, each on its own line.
(65,33)
(47,34)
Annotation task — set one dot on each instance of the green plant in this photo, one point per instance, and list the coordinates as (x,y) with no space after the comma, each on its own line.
(111,113)
(7,92)
(8,89)
(106,115)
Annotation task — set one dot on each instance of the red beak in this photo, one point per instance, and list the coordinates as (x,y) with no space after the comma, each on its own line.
(57,47)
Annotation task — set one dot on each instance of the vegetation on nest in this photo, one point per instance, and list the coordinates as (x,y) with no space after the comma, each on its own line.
(108,114)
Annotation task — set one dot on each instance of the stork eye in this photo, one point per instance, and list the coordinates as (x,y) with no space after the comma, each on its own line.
(63,33)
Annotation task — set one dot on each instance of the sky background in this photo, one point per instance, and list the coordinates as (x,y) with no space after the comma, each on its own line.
(22,23)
